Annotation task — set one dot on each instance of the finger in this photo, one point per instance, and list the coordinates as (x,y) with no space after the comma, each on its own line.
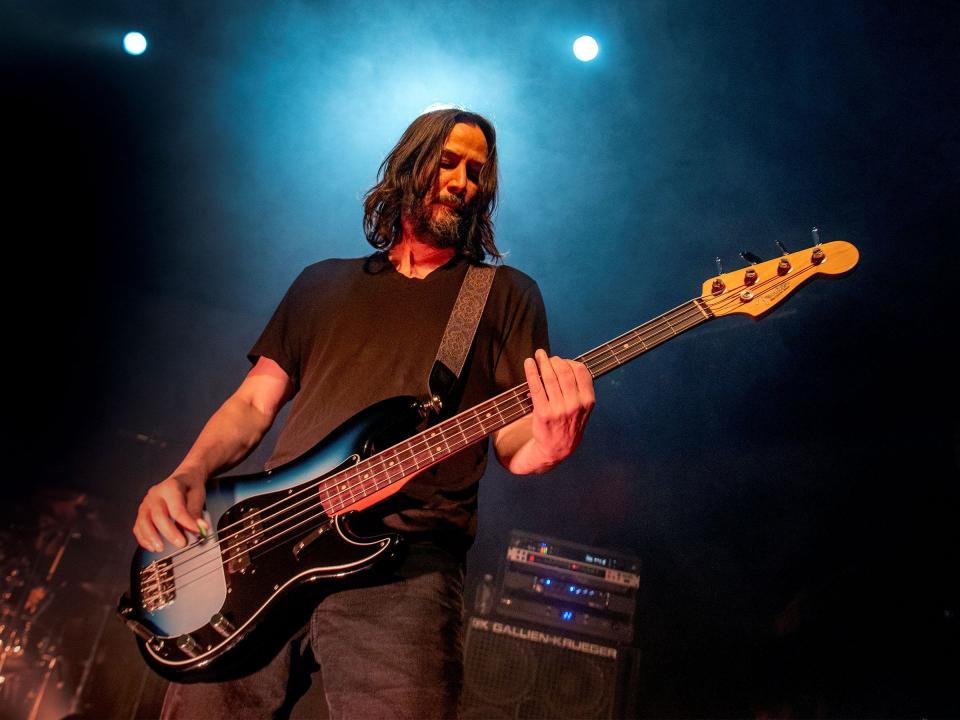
(185,518)
(164,523)
(567,380)
(537,393)
(551,384)
(146,533)
(172,495)
(195,499)
(588,397)
(195,505)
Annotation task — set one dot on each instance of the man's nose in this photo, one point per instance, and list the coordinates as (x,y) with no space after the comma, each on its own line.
(457,180)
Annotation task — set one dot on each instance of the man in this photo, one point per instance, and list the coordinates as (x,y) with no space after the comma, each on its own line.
(349,333)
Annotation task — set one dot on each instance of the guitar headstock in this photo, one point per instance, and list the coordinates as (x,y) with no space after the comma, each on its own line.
(758,288)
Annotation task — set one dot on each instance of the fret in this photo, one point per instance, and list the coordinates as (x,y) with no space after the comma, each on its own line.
(660,329)
(436,445)
(630,345)
(393,467)
(486,417)
(379,471)
(324,494)
(451,430)
(411,462)
(662,334)
(456,421)
(367,478)
(503,406)
(476,430)
(669,325)
(616,355)
(702,307)
(626,347)
(409,456)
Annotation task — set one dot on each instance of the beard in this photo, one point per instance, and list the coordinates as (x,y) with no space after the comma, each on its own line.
(443,227)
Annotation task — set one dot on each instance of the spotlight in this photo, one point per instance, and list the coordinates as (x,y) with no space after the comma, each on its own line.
(585,48)
(134,43)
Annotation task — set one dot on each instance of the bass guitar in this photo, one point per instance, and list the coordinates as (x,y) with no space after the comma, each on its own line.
(204,612)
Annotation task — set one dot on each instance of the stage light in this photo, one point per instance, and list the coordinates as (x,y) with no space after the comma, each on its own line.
(135,43)
(585,48)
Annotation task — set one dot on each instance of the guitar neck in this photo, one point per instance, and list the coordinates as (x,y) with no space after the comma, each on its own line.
(439,442)
(633,343)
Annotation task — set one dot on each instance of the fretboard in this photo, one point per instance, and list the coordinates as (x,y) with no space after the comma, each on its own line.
(439,442)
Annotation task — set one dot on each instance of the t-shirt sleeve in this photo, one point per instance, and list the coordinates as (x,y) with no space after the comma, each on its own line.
(281,339)
(526,333)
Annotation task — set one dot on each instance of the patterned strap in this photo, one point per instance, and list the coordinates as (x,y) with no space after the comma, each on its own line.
(461,327)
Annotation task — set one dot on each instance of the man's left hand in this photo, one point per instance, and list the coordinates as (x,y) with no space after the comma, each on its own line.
(562,394)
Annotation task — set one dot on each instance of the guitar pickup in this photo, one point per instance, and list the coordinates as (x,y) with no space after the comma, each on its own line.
(309,540)
(241,540)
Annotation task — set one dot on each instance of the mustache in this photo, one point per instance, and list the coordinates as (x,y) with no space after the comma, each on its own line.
(451,200)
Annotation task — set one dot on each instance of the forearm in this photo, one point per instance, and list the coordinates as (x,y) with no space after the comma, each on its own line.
(230,434)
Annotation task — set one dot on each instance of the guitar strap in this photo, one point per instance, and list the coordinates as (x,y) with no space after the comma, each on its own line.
(460,331)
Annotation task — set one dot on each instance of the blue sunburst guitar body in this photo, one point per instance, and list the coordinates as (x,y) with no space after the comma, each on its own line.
(215,609)
(195,610)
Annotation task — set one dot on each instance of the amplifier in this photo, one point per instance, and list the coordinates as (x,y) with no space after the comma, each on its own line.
(517,672)
(571,587)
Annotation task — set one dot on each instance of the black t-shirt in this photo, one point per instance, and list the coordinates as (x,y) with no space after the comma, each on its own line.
(352,332)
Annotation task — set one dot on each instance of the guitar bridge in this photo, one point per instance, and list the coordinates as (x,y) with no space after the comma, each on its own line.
(157,587)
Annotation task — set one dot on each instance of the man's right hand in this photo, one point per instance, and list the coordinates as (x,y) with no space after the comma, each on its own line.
(168,506)
(227,438)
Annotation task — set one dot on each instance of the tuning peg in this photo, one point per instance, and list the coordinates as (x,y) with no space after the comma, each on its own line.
(718,285)
(750,276)
(783,267)
(818,255)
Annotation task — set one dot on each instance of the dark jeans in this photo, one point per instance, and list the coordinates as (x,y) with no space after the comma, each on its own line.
(388,650)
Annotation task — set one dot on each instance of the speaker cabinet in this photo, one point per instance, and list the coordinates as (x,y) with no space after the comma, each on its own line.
(519,672)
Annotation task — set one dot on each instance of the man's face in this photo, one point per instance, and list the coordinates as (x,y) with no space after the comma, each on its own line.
(455,188)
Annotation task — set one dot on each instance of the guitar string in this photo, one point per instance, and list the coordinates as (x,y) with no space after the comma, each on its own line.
(525,405)
(428,435)
(261,549)
(600,365)
(426,438)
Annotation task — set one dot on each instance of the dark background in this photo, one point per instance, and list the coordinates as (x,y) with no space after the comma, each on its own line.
(791,485)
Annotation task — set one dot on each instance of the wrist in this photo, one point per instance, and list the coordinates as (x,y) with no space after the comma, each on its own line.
(190,474)
(532,458)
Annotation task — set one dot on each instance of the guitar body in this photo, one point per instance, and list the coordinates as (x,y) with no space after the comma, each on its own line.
(217,608)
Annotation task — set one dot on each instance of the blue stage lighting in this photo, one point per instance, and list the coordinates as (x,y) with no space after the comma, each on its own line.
(135,43)
(566,615)
(585,48)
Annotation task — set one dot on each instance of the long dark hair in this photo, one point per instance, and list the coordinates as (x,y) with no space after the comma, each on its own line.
(407,175)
